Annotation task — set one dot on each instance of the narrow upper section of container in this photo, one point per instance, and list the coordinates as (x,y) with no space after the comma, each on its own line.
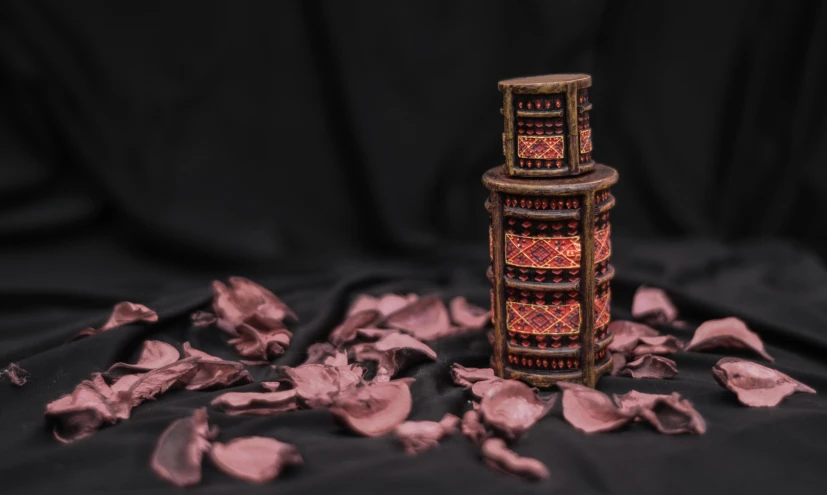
(547,128)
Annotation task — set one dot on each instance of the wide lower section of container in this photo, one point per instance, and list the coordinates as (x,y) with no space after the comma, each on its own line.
(550,246)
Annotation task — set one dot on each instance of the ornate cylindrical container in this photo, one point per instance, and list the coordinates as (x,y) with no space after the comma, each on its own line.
(550,237)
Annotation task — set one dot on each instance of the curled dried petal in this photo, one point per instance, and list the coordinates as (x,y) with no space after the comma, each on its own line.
(214,372)
(426,319)
(317,385)
(203,319)
(468,315)
(591,411)
(627,335)
(756,385)
(154,354)
(254,459)
(473,428)
(419,436)
(513,407)
(180,449)
(326,353)
(123,313)
(497,455)
(481,388)
(346,332)
(664,344)
(618,363)
(465,377)
(259,344)
(652,304)
(650,366)
(81,413)
(158,381)
(244,299)
(16,375)
(727,333)
(672,415)
(394,352)
(633,399)
(376,409)
(256,403)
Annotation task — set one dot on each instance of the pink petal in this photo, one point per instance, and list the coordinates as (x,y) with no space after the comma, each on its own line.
(180,449)
(81,413)
(633,399)
(393,352)
(256,403)
(254,459)
(672,415)
(376,409)
(652,304)
(159,380)
(346,332)
(244,299)
(649,366)
(727,333)
(255,343)
(481,388)
(468,315)
(465,377)
(419,436)
(473,427)
(362,303)
(497,455)
(317,385)
(513,407)
(154,354)
(591,411)
(326,353)
(390,303)
(627,335)
(426,319)
(665,344)
(203,319)
(123,313)
(215,372)
(374,333)
(756,385)
(618,363)
(16,375)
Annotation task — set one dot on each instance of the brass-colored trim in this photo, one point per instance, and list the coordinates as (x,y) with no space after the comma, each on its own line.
(587,292)
(499,284)
(540,114)
(572,132)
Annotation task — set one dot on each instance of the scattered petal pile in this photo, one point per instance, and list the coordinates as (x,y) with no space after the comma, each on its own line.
(16,375)
(727,333)
(123,313)
(756,385)
(637,351)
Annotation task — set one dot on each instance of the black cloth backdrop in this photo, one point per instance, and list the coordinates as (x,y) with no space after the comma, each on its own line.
(330,148)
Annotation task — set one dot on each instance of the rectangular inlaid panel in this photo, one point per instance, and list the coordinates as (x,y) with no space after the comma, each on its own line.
(585,140)
(559,319)
(541,147)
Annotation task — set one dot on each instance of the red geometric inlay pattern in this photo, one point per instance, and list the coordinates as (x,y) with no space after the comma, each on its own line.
(602,245)
(542,147)
(542,252)
(563,319)
(602,313)
(585,140)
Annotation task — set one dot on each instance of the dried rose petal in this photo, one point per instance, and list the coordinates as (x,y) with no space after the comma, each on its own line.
(257,403)
(203,319)
(214,372)
(633,399)
(627,335)
(618,363)
(254,459)
(473,427)
(468,315)
(671,415)
(260,344)
(244,299)
(481,388)
(16,375)
(178,453)
(727,333)
(123,313)
(363,302)
(426,319)
(390,303)
(419,436)
(326,353)
(376,409)
(497,455)
(652,304)
(317,385)
(465,377)
(756,385)
(81,413)
(591,411)
(346,332)
(159,380)
(154,354)
(374,333)
(665,344)
(394,352)
(649,366)
(513,407)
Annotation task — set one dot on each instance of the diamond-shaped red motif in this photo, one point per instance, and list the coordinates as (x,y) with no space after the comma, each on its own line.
(585,140)
(540,147)
(542,252)
(602,245)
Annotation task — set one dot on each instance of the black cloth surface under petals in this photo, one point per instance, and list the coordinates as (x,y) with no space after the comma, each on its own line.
(313,147)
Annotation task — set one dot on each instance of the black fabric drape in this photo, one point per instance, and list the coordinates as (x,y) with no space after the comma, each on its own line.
(328,148)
